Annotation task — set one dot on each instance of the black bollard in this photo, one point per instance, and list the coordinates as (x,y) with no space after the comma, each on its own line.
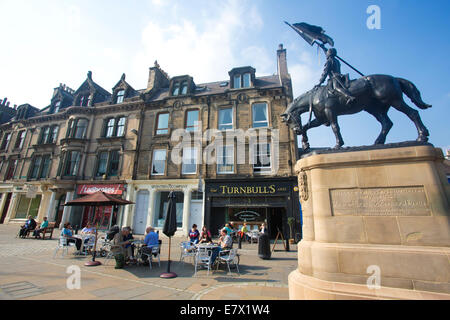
(239,242)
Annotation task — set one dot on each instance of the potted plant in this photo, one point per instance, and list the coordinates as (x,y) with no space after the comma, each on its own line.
(291,221)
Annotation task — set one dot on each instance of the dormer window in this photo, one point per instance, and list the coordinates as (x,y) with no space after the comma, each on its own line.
(181,85)
(176,89)
(242,77)
(120,96)
(57,106)
(246,80)
(242,81)
(184,87)
(85,101)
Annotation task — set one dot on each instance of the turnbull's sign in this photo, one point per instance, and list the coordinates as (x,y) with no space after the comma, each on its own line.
(247,190)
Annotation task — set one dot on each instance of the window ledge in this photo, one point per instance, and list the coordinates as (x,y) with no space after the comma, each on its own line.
(43,145)
(69,140)
(111,138)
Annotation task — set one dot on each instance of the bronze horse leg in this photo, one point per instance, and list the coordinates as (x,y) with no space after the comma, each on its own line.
(332,118)
(313,124)
(415,117)
(383,119)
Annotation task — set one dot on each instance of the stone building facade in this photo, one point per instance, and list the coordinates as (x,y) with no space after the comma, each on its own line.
(127,143)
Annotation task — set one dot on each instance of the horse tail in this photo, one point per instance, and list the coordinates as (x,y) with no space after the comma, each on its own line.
(413,93)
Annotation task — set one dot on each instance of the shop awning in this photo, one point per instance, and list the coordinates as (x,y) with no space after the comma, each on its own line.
(98,199)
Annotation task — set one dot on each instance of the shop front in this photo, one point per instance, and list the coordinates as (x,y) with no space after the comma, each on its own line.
(106,216)
(151,200)
(253,201)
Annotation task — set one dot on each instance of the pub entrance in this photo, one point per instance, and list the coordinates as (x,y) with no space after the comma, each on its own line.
(254,201)
(254,217)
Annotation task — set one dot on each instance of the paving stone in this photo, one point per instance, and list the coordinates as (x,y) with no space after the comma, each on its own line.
(31,261)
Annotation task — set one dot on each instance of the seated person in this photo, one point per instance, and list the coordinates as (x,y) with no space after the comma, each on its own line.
(194,234)
(89,232)
(41,228)
(29,225)
(129,237)
(150,241)
(205,237)
(119,247)
(228,229)
(66,232)
(225,243)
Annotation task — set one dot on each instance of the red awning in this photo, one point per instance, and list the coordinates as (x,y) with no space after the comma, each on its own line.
(97,199)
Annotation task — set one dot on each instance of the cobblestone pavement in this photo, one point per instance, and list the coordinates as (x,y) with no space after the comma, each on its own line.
(28,271)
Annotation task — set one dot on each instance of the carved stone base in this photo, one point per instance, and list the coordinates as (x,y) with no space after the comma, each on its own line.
(383,210)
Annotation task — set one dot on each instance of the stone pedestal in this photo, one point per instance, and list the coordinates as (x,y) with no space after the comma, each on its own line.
(374,217)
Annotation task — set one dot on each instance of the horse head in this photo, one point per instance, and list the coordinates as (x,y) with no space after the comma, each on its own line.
(292,115)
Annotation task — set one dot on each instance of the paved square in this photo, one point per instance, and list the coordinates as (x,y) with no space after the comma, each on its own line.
(29,271)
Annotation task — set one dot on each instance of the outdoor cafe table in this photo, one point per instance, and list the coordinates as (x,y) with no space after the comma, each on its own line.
(83,238)
(138,244)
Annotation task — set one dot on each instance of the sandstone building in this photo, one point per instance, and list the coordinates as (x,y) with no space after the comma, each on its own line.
(124,143)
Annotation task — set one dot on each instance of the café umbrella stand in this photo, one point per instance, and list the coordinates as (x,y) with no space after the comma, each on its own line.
(96,200)
(170,227)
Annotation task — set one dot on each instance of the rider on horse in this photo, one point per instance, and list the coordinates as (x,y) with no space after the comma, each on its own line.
(336,79)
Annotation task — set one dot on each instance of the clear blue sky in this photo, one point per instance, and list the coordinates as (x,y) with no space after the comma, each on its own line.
(50,41)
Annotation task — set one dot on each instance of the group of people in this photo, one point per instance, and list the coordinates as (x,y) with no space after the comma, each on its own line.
(31,225)
(225,241)
(88,234)
(196,237)
(124,249)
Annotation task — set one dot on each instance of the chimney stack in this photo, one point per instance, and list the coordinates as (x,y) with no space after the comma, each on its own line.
(282,62)
(157,78)
(283,74)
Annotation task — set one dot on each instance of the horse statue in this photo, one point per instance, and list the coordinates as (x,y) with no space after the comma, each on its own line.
(374,94)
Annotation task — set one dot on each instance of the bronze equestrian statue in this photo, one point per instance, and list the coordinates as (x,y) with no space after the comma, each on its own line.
(374,94)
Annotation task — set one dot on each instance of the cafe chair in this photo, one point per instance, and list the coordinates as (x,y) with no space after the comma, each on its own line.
(64,245)
(203,258)
(187,250)
(229,257)
(155,253)
(88,246)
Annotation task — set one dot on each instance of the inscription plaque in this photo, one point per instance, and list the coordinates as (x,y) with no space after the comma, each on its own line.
(389,201)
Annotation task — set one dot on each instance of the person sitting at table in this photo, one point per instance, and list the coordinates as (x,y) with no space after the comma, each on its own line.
(118,247)
(66,232)
(130,237)
(29,225)
(41,228)
(205,236)
(151,240)
(225,243)
(88,232)
(194,234)
(228,229)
